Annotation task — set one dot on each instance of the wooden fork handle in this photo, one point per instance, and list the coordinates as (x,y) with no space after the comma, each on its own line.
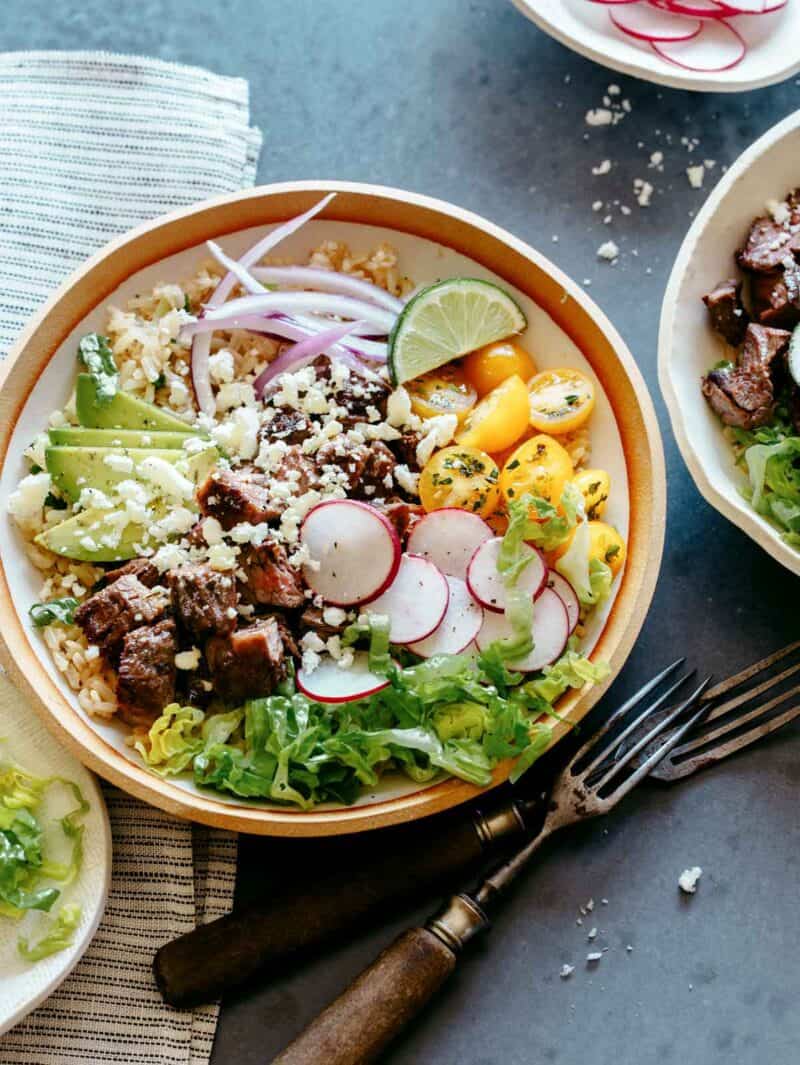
(357,1027)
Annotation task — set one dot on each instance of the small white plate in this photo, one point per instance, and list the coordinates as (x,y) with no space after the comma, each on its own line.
(687,346)
(773,52)
(25,740)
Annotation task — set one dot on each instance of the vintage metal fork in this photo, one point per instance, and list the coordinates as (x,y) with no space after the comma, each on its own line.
(357,1026)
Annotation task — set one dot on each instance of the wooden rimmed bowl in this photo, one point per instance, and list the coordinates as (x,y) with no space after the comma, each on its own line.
(434,239)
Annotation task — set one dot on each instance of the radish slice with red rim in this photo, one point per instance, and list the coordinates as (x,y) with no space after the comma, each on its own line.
(449,538)
(353,550)
(717,47)
(647,23)
(459,626)
(566,593)
(550,632)
(331,683)
(415,602)
(702,9)
(487,585)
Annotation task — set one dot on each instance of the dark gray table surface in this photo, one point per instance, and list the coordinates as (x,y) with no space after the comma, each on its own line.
(466,100)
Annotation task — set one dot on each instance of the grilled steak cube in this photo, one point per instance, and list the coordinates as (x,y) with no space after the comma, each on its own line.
(405,449)
(762,347)
(404,516)
(744,395)
(356,395)
(146,671)
(142,568)
(288,425)
(204,600)
(776,297)
(768,245)
(369,467)
(312,618)
(269,579)
(249,662)
(110,614)
(297,469)
(237,496)
(726,311)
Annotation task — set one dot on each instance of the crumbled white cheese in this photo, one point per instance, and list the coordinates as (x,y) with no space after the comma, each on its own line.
(695,174)
(177,521)
(566,971)
(188,659)
(608,251)
(94,497)
(398,408)
(590,905)
(26,502)
(92,652)
(407,480)
(594,956)
(597,205)
(311,641)
(687,881)
(439,432)
(179,393)
(222,556)
(168,557)
(779,210)
(221,367)
(235,394)
(334,616)
(599,116)
(656,161)
(602,168)
(238,433)
(592,934)
(247,533)
(643,191)
(119,463)
(309,661)
(165,477)
(212,531)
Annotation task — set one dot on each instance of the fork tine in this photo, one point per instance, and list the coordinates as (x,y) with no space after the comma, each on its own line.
(653,760)
(629,704)
(729,726)
(651,735)
(750,693)
(669,770)
(618,739)
(729,683)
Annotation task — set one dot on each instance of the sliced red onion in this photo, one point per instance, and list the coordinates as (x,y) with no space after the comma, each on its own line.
(241,273)
(328,281)
(201,347)
(300,355)
(296,329)
(646,22)
(317,303)
(718,47)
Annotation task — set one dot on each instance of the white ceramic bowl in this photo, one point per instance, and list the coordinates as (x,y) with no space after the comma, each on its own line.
(687,346)
(773,52)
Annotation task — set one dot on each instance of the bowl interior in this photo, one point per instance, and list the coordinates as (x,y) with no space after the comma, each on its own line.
(688,347)
(434,240)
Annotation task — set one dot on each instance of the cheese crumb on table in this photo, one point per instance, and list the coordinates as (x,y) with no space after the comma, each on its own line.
(602,168)
(695,174)
(687,881)
(566,971)
(608,251)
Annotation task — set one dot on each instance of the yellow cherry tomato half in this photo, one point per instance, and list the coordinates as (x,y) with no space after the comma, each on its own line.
(606,544)
(463,477)
(595,487)
(561,400)
(499,419)
(444,391)
(488,367)
(540,466)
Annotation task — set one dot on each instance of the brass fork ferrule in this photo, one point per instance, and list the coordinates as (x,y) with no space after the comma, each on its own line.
(457,922)
(498,823)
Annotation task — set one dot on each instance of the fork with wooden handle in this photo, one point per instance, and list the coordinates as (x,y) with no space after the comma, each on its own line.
(417,860)
(359,1025)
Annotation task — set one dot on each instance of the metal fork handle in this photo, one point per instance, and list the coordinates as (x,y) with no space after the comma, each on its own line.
(358,1026)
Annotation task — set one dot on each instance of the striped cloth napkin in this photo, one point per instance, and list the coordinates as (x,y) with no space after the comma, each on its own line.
(90,145)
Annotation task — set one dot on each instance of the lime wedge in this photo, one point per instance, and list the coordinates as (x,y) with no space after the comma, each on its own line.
(448,320)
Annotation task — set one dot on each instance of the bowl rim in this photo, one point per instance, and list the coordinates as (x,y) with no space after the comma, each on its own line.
(536,11)
(740,513)
(420,216)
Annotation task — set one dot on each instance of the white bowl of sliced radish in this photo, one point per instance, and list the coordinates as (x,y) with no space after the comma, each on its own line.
(704,45)
(435,590)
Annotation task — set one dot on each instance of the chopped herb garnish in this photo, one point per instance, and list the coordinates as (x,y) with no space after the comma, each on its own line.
(571,400)
(36,468)
(56,612)
(612,552)
(55,502)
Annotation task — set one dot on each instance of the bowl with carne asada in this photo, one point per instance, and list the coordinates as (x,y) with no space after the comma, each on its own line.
(729,346)
(326,507)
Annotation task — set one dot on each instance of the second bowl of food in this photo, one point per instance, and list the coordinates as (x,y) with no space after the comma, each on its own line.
(311,526)
(729,345)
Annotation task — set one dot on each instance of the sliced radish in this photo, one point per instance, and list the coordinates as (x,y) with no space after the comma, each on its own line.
(566,593)
(415,602)
(702,9)
(354,551)
(330,683)
(459,626)
(449,538)
(717,47)
(488,585)
(550,632)
(648,23)
(751,7)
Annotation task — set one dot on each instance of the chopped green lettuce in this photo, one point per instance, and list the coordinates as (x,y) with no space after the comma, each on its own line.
(59,935)
(590,578)
(173,740)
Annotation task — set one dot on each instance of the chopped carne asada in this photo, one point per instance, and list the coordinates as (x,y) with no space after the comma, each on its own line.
(249,662)
(268,579)
(744,395)
(368,467)
(146,671)
(203,599)
(727,312)
(110,614)
(142,568)
(236,497)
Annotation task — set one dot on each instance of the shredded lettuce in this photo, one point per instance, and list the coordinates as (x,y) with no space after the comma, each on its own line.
(24,865)
(590,577)
(572,670)
(376,628)
(534,520)
(173,740)
(774,472)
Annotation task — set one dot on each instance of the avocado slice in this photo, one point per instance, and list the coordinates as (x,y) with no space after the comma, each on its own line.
(69,538)
(122,411)
(79,436)
(75,468)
